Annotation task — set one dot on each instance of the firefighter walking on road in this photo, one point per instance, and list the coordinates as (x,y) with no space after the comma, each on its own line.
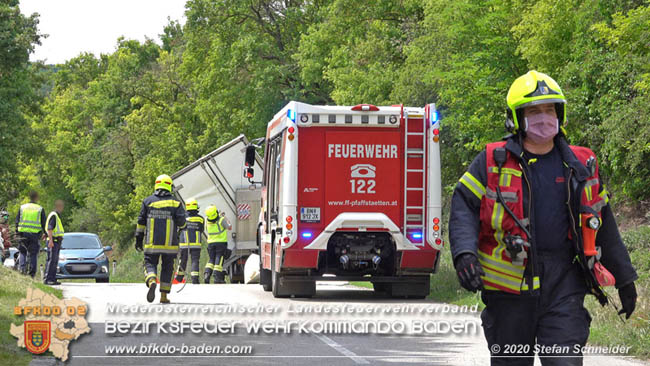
(161,217)
(531,228)
(217,228)
(190,242)
(54,238)
(30,224)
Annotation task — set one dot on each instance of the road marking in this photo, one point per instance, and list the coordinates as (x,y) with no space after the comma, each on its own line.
(342,350)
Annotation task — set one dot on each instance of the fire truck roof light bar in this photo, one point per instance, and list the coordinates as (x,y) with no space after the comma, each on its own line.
(365,108)
(349,120)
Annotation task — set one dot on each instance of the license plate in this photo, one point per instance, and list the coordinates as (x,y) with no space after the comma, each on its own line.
(81,267)
(310,214)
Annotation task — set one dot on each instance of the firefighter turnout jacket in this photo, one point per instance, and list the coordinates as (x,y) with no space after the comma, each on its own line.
(479,224)
(191,234)
(161,217)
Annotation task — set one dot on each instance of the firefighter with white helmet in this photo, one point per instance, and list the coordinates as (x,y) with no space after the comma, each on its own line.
(161,217)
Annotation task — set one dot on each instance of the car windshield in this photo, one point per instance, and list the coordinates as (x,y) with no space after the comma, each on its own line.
(81,242)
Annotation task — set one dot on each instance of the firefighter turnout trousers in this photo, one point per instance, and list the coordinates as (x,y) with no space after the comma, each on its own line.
(195,256)
(554,324)
(166,269)
(216,257)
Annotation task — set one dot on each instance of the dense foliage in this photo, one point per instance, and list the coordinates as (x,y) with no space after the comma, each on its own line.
(110,124)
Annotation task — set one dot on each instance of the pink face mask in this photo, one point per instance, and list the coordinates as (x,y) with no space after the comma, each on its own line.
(541,127)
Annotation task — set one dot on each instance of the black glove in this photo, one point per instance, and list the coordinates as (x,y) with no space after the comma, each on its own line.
(138,243)
(469,272)
(627,294)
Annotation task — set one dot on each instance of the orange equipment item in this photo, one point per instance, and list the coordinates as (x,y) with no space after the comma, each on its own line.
(590,225)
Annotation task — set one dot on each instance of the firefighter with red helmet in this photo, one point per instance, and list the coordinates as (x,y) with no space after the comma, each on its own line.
(531,227)
(161,217)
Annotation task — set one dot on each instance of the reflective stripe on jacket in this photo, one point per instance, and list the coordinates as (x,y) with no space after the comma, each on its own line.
(58,227)
(477,223)
(161,217)
(30,218)
(191,235)
(217,231)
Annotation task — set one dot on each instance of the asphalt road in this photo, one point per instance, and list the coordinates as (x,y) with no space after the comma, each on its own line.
(407,345)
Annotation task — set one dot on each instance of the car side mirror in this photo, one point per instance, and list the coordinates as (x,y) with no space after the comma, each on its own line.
(108,248)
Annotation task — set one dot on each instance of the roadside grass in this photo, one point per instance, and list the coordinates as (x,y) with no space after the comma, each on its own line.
(606,327)
(130,265)
(13,288)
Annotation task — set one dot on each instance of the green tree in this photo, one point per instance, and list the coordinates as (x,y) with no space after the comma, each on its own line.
(19,86)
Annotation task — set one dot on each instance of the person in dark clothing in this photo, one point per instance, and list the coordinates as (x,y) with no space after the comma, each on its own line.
(30,226)
(5,235)
(54,238)
(531,227)
(190,242)
(161,217)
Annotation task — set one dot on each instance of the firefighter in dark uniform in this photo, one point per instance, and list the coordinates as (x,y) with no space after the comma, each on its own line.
(55,233)
(30,225)
(217,229)
(161,217)
(190,241)
(531,227)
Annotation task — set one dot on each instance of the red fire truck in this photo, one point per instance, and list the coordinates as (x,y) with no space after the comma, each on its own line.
(349,193)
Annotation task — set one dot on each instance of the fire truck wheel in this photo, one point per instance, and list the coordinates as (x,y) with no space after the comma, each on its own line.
(265,278)
(417,287)
(265,274)
(379,286)
(293,288)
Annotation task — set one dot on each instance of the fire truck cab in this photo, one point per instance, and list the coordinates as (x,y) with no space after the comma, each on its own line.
(350,193)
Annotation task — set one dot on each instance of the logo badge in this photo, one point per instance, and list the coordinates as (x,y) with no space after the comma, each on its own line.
(37,335)
(544,90)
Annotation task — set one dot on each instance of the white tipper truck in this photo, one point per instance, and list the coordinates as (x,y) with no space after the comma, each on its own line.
(216,178)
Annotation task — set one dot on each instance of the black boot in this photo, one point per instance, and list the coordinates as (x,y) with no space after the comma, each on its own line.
(206,275)
(219,277)
(195,280)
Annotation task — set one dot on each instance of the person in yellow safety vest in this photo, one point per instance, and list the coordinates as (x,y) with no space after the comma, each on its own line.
(217,228)
(30,224)
(161,217)
(54,238)
(190,241)
(531,228)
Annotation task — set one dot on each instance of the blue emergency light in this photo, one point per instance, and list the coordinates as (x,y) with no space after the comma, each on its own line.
(434,115)
(292,115)
(306,234)
(417,235)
